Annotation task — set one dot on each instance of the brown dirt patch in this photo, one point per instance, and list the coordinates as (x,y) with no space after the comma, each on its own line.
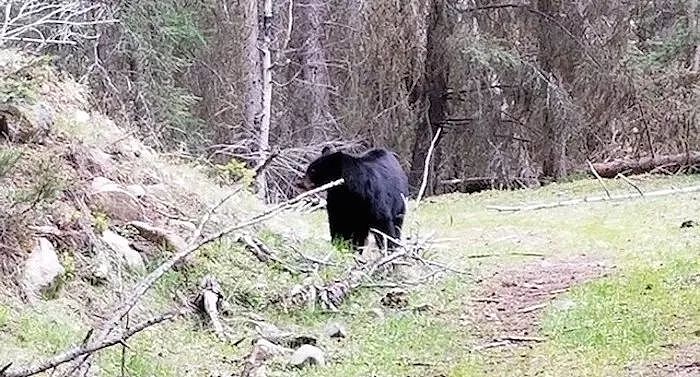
(684,363)
(508,305)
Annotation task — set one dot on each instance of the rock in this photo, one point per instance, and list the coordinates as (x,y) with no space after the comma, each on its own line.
(300,340)
(396,298)
(26,124)
(336,330)
(115,200)
(136,190)
(377,313)
(102,162)
(307,355)
(99,270)
(159,236)
(41,268)
(43,120)
(186,225)
(689,224)
(121,246)
(81,116)
(262,351)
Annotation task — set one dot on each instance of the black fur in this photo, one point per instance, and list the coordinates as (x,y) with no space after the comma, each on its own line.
(371,197)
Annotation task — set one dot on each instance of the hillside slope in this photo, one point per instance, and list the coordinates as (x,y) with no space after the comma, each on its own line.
(74,188)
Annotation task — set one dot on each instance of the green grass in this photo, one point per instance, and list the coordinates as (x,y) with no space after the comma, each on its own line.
(45,330)
(4,316)
(405,345)
(627,318)
(188,349)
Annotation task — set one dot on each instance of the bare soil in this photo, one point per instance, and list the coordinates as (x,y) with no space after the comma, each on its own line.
(508,305)
(685,362)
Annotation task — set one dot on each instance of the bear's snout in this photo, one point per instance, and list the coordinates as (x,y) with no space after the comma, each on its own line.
(304,183)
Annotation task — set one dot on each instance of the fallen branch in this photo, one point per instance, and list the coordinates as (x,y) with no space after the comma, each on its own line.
(527,254)
(594,199)
(426,167)
(506,341)
(77,352)
(329,296)
(531,308)
(552,292)
(648,164)
(263,254)
(515,253)
(500,343)
(208,302)
(598,177)
(158,236)
(518,338)
(641,193)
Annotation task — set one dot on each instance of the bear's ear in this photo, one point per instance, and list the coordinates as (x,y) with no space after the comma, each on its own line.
(327,150)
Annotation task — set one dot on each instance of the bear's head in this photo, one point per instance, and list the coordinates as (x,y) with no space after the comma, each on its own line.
(322,170)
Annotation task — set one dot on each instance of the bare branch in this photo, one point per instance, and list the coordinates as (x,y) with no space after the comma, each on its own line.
(52,23)
(426,167)
(597,176)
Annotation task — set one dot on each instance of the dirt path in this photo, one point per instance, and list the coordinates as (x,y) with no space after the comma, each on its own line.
(684,363)
(508,306)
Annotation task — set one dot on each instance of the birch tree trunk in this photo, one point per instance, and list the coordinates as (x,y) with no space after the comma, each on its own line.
(695,28)
(264,122)
(259,83)
(254,79)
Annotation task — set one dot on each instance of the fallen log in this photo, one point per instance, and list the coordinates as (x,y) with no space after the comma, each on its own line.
(671,163)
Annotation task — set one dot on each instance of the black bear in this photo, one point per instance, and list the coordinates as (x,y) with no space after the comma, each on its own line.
(372,196)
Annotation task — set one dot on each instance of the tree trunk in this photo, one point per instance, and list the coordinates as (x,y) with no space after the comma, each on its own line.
(694,16)
(670,163)
(315,109)
(254,79)
(554,148)
(259,82)
(264,126)
(430,96)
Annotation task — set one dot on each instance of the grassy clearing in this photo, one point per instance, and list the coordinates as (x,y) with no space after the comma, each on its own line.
(649,300)
(626,318)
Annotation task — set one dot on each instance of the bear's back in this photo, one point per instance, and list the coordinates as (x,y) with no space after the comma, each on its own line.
(386,165)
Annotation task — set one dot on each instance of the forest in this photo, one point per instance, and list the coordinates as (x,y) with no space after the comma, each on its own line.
(521,92)
(152,222)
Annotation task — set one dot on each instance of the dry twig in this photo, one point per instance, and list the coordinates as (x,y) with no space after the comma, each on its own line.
(426,167)
(598,177)
(622,176)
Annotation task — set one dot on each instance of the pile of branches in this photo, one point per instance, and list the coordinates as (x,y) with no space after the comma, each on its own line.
(42,23)
(331,295)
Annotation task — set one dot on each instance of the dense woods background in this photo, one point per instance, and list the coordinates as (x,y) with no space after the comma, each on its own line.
(522,91)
